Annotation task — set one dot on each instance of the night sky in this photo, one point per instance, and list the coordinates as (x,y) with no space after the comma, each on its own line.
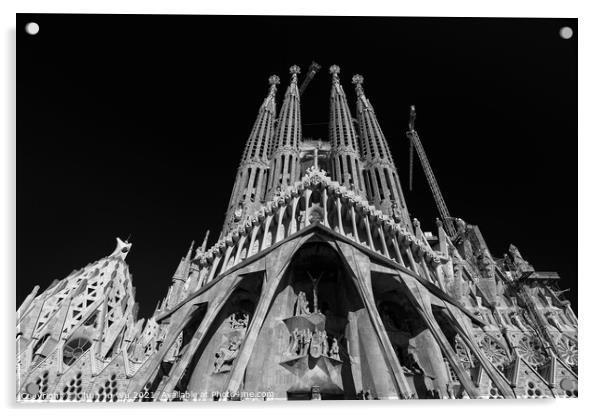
(136,125)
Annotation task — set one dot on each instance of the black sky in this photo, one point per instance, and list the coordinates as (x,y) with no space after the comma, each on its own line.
(136,124)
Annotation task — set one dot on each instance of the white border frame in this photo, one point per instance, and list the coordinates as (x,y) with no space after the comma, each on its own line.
(589,141)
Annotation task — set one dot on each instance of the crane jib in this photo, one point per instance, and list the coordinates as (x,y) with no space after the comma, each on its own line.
(430,176)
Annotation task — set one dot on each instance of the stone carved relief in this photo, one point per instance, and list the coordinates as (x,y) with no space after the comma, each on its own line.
(315,348)
(396,213)
(517,320)
(385,204)
(302,305)
(486,264)
(226,355)
(494,351)
(567,350)
(519,262)
(316,214)
(239,323)
(238,213)
(293,346)
(552,318)
(458,287)
(529,348)
(174,351)
(464,354)
(305,342)
(334,350)
(228,351)
(460,227)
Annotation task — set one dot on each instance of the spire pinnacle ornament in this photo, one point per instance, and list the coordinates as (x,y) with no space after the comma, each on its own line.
(189,254)
(274,80)
(335,70)
(203,247)
(294,70)
(122,248)
(358,80)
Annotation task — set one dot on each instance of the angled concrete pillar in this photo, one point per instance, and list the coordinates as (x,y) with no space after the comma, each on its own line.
(420,297)
(358,265)
(150,366)
(276,264)
(221,295)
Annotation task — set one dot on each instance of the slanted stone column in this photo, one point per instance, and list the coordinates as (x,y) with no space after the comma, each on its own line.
(420,298)
(217,298)
(381,356)
(276,264)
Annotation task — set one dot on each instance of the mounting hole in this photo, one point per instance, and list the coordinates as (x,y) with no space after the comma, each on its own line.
(566,32)
(32,28)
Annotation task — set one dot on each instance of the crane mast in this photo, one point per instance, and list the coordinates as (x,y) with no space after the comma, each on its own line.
(311,72)
(428,172)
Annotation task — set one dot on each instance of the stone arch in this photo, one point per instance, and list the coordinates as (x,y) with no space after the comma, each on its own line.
(315,295)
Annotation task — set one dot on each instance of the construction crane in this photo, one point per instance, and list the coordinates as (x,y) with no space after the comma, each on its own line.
(311,72)
(428,172)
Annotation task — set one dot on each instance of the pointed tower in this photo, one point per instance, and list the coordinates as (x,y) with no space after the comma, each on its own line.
(284,166)
(380,175)
(343,139)
(250,185)
(179,279)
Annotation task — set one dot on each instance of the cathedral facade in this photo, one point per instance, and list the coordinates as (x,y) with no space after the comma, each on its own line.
(320,286)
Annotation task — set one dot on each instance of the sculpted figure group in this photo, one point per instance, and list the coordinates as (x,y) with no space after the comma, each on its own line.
(302,305)
(302,340)
(241,323)
(226,355)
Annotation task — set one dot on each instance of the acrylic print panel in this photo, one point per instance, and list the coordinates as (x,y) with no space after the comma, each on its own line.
(255,172)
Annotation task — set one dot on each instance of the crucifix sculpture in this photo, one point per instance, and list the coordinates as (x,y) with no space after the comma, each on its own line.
(315,282)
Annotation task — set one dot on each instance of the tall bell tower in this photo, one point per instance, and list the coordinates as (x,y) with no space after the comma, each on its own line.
(284,164)
(346,167)
(380,174)
(250,185)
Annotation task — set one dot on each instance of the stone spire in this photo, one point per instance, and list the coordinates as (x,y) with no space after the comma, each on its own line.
(259,142)
(179,277)
(284,165)
(122,249)
(204,244)
(383,187)
(343,139)
(250,185)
